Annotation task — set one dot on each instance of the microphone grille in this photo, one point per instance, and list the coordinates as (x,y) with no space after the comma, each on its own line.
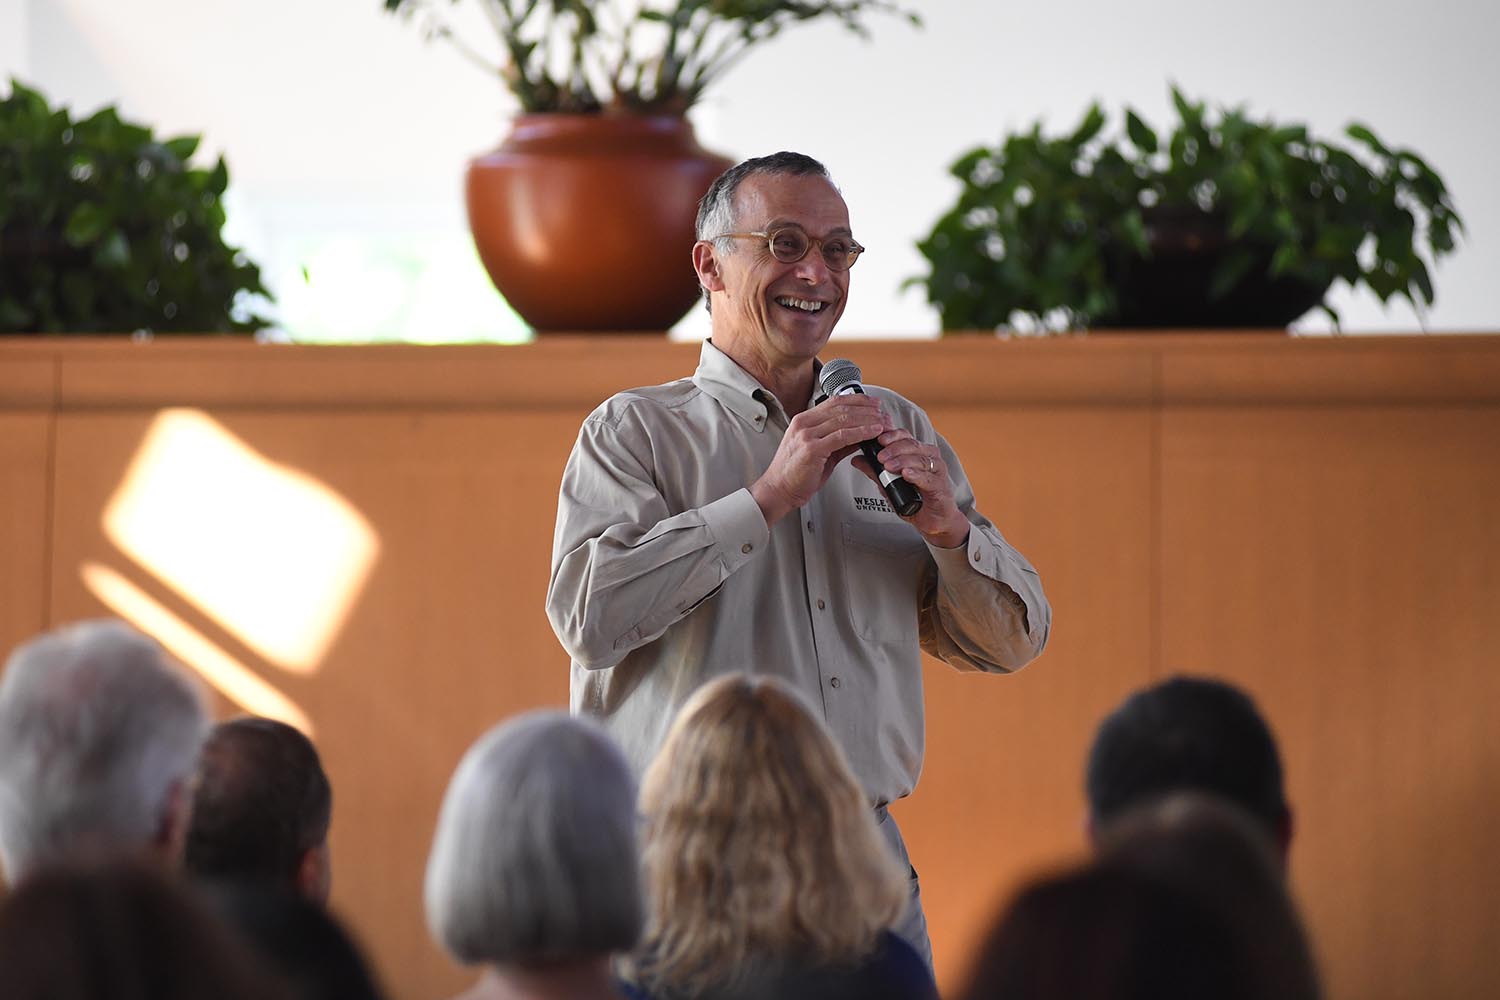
(837,374)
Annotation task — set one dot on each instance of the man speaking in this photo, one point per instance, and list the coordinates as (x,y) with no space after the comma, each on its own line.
(712,524)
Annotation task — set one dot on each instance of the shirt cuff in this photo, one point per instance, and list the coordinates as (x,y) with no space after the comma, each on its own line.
(981,555)
(738,526)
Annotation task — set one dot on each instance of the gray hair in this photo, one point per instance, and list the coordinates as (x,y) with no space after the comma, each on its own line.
(97,726)
(535,855)
(716,215)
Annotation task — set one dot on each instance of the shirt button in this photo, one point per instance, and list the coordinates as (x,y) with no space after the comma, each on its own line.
(834,682)
(976,556)
(809,526)
(821,605)
(746,547)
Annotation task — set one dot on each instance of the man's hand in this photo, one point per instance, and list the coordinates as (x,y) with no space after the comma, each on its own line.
(940,521)
(817,440)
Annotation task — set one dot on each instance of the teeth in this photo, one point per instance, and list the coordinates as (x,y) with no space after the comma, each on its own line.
(804,304)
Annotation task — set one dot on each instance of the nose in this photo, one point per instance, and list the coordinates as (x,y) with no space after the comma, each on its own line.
(812,268)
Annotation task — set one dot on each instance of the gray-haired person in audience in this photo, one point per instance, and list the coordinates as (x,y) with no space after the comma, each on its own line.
(534,871)
(262,809)
(99,737)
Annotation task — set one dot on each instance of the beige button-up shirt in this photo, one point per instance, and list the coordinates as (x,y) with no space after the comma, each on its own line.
(664,574)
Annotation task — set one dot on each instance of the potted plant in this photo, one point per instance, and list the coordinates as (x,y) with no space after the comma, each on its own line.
(584,214)
(105,228)
(1226,222)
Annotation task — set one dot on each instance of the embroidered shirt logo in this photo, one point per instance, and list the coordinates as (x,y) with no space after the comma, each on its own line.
(876,504)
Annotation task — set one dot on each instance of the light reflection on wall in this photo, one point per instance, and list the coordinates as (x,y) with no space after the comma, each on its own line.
(267,552)
(232,678)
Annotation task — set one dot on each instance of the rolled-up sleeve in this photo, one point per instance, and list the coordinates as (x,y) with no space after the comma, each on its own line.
(625,566)
(984,609)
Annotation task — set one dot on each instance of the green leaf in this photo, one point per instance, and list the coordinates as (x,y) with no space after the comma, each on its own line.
(1364,135)
(1422,279)
(114,252)
(85,224)
(1140,133)
(1285,259)
(1091,125)
(183,147)
(1230,273)
(1288,134)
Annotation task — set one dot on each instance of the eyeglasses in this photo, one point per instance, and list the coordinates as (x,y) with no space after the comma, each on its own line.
(790,244)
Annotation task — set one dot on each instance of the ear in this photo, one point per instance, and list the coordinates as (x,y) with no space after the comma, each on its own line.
(707,263)
(172,824)
(1284,837)
(1091,830)
(314,876)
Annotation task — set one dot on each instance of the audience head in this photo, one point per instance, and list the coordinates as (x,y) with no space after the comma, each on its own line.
(534,859)
(1188,734)
(1109,933)
(298,939)
(760,846)
(262,809)
(99,736)
(1214,851)
(120,932)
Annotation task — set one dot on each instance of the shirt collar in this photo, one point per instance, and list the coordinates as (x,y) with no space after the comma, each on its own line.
(724,380)
(738,390)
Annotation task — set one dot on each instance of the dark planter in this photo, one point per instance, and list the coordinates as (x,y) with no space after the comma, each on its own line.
(1170,289)
(585,222)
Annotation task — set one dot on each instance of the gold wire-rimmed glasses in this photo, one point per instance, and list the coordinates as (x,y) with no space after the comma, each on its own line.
(790,244)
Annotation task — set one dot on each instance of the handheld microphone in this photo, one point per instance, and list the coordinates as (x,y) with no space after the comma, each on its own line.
(841,377)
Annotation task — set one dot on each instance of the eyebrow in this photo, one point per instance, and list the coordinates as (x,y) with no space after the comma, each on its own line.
(778,223)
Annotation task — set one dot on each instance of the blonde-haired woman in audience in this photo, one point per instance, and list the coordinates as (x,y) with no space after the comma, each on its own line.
(765,873)
(534,869)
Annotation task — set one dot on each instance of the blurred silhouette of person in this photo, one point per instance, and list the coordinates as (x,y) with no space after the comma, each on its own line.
(262,809)
(1109,933)
(297,938)
(534,871)
(1211,849)
(766,873)
(121,931)
(99,738)
(1188,734)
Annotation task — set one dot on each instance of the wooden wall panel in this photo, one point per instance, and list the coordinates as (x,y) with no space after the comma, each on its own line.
(24,485)
(1314,520)
(1343,564)
(448,636)
(1001,791)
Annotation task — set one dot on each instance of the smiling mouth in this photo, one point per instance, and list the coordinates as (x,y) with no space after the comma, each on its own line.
(802,305)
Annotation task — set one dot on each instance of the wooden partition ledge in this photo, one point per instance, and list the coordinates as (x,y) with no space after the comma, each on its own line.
(1313,519)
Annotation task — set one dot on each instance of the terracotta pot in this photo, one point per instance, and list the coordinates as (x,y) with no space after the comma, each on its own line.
(585,222)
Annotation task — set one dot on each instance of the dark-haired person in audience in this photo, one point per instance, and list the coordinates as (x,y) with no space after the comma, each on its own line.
(766,874)
(262,809)
(1210,849)
(1110,933)
(121,932)
(298,939)
(534,871)
(1188,734)
(99,737)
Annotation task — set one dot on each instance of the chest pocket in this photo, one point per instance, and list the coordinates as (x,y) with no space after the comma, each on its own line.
(883,569)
